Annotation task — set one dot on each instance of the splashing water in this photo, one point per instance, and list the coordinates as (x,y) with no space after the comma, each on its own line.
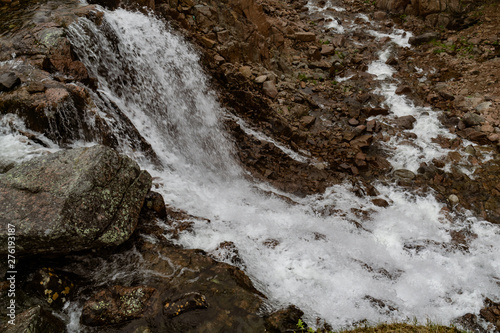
(335,255)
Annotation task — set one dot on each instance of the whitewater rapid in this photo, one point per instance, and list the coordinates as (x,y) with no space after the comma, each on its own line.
(336,256)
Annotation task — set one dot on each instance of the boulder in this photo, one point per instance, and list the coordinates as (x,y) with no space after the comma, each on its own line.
(406,122)
(71,200)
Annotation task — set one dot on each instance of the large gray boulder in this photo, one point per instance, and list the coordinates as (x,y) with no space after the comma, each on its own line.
(72,200)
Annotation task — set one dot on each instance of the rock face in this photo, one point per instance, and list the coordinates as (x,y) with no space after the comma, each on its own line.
(72,200)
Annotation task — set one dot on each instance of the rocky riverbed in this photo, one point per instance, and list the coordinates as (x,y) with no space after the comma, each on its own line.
(305,86)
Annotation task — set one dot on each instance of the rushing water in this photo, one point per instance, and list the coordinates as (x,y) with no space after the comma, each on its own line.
(336,255)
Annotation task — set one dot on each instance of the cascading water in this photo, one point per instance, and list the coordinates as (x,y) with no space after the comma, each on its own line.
(336,256)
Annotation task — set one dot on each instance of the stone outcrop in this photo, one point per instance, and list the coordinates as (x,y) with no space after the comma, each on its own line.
(72,200)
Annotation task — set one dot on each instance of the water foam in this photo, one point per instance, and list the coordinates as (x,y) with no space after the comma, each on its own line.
(336,255)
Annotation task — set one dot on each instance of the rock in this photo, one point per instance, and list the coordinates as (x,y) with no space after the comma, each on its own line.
(403,90)
(472,119)
(246,71)
(270,89)
(72,200)
(491,313)
(405,122)
(362,141)
(207,42)
(9,81)
(154,201)
(485,106)
(54,287)
(404,174)
(186,303)
(35,320)
(353,122)
(116,305)
(327,50)
(305,36)
(261,79)
(423,38)
(380,202)
(379,16)
(284,320)
(476,136)
(494,137)
(453,199)
(307,121)
(373,112)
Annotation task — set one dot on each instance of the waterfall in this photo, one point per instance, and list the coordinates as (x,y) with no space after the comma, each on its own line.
(337,256)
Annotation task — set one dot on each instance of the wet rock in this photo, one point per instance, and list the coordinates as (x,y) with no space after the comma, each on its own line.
(116,305)
(491,313)
(380,202)
(154,201)
(54,287)
(469,322)
(405,122)
(9,81)
(228,252)
(476,136)
(72,200)
(404,174)
(284,320)
(36,320)
(270,89)
(423,38)
(186,303)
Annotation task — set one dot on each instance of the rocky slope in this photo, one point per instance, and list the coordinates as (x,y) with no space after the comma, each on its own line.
(276,66)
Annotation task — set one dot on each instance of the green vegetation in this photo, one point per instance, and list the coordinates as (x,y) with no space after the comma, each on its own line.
(461,47)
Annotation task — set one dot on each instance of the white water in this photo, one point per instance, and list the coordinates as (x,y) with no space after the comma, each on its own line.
(333,251)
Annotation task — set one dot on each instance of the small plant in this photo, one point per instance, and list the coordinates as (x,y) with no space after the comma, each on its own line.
(302,77)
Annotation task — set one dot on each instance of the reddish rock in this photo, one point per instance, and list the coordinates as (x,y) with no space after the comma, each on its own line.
(327,50)
(405,122)
(270,89)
